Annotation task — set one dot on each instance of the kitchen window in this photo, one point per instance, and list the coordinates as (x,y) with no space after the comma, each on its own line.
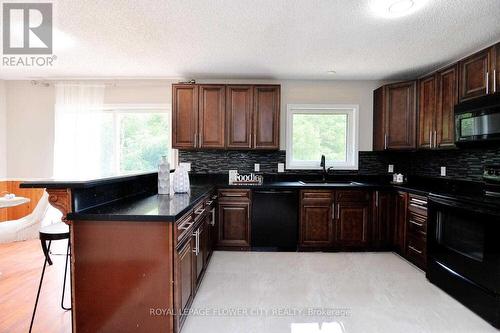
(313,130)
(137,136)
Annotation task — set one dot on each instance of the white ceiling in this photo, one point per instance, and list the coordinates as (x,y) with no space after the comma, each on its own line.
(268,39)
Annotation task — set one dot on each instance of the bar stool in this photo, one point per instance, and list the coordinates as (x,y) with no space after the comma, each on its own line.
(56,231)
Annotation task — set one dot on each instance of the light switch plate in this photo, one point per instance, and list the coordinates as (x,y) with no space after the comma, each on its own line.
(187,165)
(281,167)
(256,167)
(391,168)
(443,171)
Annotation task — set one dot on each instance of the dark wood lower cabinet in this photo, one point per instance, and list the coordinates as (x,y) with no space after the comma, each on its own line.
(401,208)
(183,295)
(233,216)
(316,220)
(352,225)
(383,220)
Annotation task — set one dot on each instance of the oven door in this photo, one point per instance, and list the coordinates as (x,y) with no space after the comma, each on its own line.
(465,238)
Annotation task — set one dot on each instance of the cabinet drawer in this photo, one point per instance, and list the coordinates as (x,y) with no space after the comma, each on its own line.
(184,227)
(416,250)
(316,194)
(417,204)
(352,196)
(234,195)
(416,225)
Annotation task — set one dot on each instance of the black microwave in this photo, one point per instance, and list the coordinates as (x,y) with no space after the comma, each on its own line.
(478,120)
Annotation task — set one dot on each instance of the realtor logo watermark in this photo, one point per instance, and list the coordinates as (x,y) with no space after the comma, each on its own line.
(27,31)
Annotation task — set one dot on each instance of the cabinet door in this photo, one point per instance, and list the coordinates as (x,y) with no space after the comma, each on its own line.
(266,117)
(379,130)
(446,100)
(239,105)
(426,112)
(234,224)
(474,75)
(183,280)
(401,115)
(316,219)
(200,252)
(212,108)
(184,116)
(400,227)
(352,224)
(383,221)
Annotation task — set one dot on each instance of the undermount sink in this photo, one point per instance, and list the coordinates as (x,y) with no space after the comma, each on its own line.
(329,183)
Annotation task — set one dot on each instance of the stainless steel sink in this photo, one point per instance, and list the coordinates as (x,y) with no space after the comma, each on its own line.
(329,183)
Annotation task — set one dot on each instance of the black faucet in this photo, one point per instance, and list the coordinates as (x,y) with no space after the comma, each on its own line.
(325,171)
(323,166)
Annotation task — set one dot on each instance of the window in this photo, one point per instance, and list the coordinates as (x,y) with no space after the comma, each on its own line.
(315,130)
(138,135)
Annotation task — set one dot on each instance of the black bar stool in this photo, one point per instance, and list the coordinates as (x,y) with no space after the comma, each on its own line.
(56,231)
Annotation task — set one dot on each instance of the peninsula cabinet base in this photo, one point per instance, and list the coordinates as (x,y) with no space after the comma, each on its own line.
(122,276)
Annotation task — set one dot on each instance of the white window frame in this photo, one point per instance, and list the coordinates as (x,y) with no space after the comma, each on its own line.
(122,108)
(352,140)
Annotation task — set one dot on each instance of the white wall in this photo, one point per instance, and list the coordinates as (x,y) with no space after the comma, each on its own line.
(3,131)
(30,113)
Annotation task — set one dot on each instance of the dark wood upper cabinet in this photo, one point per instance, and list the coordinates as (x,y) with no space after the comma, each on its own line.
(400,116)
(316,219)
(239,104)
(212,113)
(426,112)
(447,97)
(184,116)
(475,73)
(266,116)
(379,119)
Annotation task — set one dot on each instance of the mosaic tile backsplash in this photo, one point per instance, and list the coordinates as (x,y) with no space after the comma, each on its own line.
(466,164)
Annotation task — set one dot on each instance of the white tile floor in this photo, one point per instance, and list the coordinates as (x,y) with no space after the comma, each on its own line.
(366,292)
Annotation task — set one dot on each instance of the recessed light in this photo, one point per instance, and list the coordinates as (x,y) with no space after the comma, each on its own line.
(401,6)
(331,72)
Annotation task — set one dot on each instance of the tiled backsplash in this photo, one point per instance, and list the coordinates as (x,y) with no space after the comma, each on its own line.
(460,163)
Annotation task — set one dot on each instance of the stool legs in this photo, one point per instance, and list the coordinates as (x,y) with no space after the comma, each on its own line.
(45,251)
(64,281)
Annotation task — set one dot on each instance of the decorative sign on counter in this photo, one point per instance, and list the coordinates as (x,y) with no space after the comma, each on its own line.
(252,179)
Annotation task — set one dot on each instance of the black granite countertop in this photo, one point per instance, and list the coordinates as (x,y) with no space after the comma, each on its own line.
(148,206)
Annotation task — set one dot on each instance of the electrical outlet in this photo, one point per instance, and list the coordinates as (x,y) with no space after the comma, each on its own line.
(186,165)
(281,167)
(391,168)
(256,167)
(443,171)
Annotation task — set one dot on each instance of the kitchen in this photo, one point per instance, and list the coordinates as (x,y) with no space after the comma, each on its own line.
(303,204)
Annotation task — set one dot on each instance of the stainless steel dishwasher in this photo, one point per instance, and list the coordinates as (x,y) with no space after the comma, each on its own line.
(274,220)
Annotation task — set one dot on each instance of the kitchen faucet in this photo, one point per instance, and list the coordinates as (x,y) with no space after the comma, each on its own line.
(325,171)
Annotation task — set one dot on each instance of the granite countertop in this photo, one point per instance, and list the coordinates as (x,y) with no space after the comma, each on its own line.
(146,208)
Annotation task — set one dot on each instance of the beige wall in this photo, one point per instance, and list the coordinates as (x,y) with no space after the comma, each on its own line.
(30,113)
(3,131)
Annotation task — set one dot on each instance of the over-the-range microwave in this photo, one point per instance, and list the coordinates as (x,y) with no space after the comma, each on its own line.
(478,120)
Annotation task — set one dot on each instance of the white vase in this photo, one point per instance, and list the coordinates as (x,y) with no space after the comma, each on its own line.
(181,179)
(164,176)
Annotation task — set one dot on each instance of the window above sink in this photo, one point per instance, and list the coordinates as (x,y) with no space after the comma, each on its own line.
(313,130)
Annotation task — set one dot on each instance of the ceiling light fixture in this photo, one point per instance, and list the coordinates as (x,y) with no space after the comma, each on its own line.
(396,8)
(401,6)
(331,72)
